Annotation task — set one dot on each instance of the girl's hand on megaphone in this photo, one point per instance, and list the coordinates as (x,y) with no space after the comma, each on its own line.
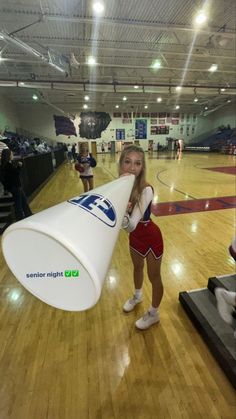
(129,208)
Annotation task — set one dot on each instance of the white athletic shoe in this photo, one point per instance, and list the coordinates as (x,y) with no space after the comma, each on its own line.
(147,320)
(131,303)
(225,309)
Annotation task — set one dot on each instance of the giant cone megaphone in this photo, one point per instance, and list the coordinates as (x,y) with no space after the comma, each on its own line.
(61,255)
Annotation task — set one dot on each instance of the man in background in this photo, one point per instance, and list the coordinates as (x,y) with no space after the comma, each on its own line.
(2,147)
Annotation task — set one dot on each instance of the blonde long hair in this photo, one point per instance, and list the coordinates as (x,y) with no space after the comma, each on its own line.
(140,181)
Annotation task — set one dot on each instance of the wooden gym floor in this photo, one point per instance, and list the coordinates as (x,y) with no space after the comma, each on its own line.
(94,364)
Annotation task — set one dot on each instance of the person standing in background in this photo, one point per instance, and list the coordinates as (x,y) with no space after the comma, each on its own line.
(85,164)
(69,153)
(12,183)
(73,150)
(3,146)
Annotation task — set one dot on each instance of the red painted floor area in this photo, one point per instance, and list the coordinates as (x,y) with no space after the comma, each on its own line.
(230,170)
(194,205)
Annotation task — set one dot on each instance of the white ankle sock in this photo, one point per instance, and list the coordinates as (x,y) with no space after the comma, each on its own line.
(230,297)
(138,293)
(152,310)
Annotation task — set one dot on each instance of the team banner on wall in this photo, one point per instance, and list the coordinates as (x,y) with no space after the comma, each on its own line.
(140,129)
(62,254)
(64,125)
(93,123)
(120,134)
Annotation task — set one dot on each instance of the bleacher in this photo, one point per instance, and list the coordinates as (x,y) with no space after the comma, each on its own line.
(224,140)
(6,210)
(39,161)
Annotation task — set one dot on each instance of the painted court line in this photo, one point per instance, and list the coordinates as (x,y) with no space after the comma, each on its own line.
(195,205)
(230,170)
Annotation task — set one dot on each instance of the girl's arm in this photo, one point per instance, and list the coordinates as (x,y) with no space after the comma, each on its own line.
(130,221)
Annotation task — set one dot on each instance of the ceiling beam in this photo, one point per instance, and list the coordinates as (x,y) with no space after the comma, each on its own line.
(156,26)
(117,84)
(140,24)
(96,45)
(111,65)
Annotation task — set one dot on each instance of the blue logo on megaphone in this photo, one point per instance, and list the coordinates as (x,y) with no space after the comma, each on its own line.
(98,206)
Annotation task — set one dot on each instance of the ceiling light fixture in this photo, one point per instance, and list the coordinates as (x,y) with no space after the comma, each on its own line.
(178,88)
(159,99)
(136,86)
(213,68)
(156,64)
(98,7)
(201,18)
(86,98)
(124,98)
(91,61)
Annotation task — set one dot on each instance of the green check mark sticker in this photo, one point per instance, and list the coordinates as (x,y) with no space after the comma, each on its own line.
(75,273)
(67,274)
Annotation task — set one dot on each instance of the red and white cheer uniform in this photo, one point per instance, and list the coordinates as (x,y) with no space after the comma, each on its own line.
(145,236)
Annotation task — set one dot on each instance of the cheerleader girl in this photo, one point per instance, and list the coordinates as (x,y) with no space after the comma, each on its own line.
(145,238)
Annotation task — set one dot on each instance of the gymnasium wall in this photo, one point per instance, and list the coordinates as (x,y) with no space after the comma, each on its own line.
(42,123)
(208,125)
(38,119)
(225,117)
(8,115)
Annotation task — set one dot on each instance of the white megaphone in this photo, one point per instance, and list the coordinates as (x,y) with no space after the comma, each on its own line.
(62,254)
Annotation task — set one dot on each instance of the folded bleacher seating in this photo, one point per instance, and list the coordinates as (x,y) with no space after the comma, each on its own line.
(201,307)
